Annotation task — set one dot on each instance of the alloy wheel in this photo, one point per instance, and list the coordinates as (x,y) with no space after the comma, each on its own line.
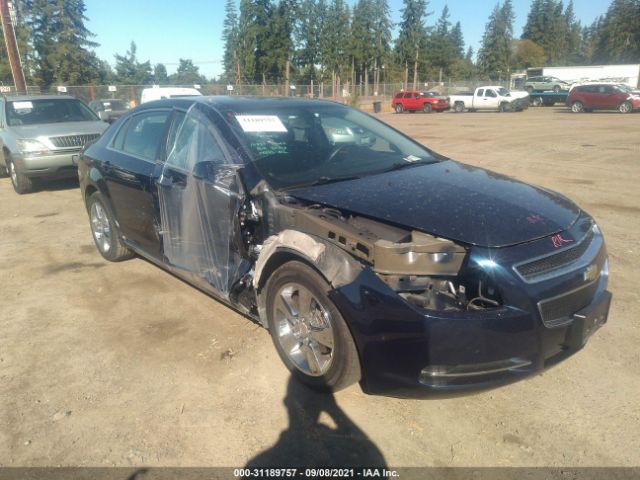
(100,227)
(304,329)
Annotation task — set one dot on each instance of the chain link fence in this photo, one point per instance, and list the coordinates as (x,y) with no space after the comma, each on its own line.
(358,95)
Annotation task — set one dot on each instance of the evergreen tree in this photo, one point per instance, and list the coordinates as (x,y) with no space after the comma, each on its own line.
(160,76)
(494,57)
(230,40)
(278,44)
(60,43)
(412,37)
(187,74)
(335,36)
(131,72)
(618,35)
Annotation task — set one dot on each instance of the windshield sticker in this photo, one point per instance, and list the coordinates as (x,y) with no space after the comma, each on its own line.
(260,123)
(22,105)
(269,148)
(412,158)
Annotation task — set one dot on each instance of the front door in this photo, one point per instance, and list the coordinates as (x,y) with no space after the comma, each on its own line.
(490,99)
(200,197)
(129,175)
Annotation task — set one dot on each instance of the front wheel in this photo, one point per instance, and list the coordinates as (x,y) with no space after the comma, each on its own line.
(307,329)
(577,107)
(426,108)
(105,230)
(625,107)
(399,108)
(21,183)
(556,89)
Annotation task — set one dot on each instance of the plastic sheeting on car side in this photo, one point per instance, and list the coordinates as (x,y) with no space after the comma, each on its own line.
(200,197)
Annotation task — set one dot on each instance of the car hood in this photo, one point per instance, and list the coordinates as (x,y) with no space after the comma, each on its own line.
(451,200)
(58,129)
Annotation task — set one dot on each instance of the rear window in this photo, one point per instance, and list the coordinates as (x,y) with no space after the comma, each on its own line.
(40,111)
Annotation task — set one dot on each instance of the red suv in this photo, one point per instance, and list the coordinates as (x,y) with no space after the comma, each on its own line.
(413,101)
(585,98)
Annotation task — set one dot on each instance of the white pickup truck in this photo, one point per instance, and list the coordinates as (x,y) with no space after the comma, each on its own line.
(490,98)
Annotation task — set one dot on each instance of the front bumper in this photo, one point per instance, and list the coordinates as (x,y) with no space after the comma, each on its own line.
(58,164)
(406,351)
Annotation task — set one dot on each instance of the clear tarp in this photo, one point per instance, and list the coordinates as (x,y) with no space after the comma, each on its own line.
(200,198)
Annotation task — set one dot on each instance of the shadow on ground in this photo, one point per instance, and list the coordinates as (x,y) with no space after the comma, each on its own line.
(320,434)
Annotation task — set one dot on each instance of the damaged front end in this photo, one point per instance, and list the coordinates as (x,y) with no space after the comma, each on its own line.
(424,270)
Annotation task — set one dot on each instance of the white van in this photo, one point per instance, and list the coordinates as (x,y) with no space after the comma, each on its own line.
(156,93)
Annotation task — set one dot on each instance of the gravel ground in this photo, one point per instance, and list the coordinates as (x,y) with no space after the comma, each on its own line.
(123,364)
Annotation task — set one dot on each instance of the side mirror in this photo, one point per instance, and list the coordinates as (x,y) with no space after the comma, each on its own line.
(215,172)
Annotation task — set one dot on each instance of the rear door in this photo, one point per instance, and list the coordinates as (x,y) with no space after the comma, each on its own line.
(200,196)
(130,173)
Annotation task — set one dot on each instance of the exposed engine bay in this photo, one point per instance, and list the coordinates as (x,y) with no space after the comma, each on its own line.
(427,271)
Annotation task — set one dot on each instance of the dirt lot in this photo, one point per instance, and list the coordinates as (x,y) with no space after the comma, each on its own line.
(122,364)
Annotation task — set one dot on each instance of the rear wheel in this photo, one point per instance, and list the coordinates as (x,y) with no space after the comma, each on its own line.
(577,107)
(458,107)
(307,329)
(556,88)
(399,108)
(426,108)
(105,230)
(21,183)
(625,107)
(537,101)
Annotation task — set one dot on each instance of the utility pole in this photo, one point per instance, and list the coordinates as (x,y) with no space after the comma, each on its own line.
(12,48)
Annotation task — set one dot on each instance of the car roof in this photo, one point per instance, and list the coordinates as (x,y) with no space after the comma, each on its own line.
(230,102)
(22,98)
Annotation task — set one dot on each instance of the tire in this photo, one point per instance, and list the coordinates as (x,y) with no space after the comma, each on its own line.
(399,108)
(625,107)
(537,101)
(556,88)
(458,107)
(21,183)
(577,107)
(318,347)
(503,107)
(104,230)
(426,108)
(528,88)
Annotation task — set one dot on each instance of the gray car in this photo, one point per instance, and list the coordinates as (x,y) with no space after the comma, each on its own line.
(41,136)
(545,83)
(109,109)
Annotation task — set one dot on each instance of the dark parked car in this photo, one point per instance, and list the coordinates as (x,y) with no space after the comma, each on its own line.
(382,262)
(585,98)
(109,109)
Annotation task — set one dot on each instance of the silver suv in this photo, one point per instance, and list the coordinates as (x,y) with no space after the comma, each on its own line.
(41,136)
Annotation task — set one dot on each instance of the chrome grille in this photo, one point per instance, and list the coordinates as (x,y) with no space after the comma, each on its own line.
(548,264)
(71,141)
(558,311)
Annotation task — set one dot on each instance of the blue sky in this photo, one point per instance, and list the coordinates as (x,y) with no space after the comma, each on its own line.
(165,31)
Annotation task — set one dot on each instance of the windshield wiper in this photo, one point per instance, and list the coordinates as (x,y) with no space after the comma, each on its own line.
(325,180)
(400,166)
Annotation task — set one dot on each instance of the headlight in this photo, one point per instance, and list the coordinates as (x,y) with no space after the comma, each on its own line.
(32,146)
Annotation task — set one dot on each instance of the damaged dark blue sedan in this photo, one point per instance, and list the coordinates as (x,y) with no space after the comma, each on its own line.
(368,257)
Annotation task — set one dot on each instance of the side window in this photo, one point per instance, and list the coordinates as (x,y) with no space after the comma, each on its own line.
(195,142)
(481,92)
(407,95)
(144,134)
(416,95)
(490,93)
(119,139)
(399,95)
